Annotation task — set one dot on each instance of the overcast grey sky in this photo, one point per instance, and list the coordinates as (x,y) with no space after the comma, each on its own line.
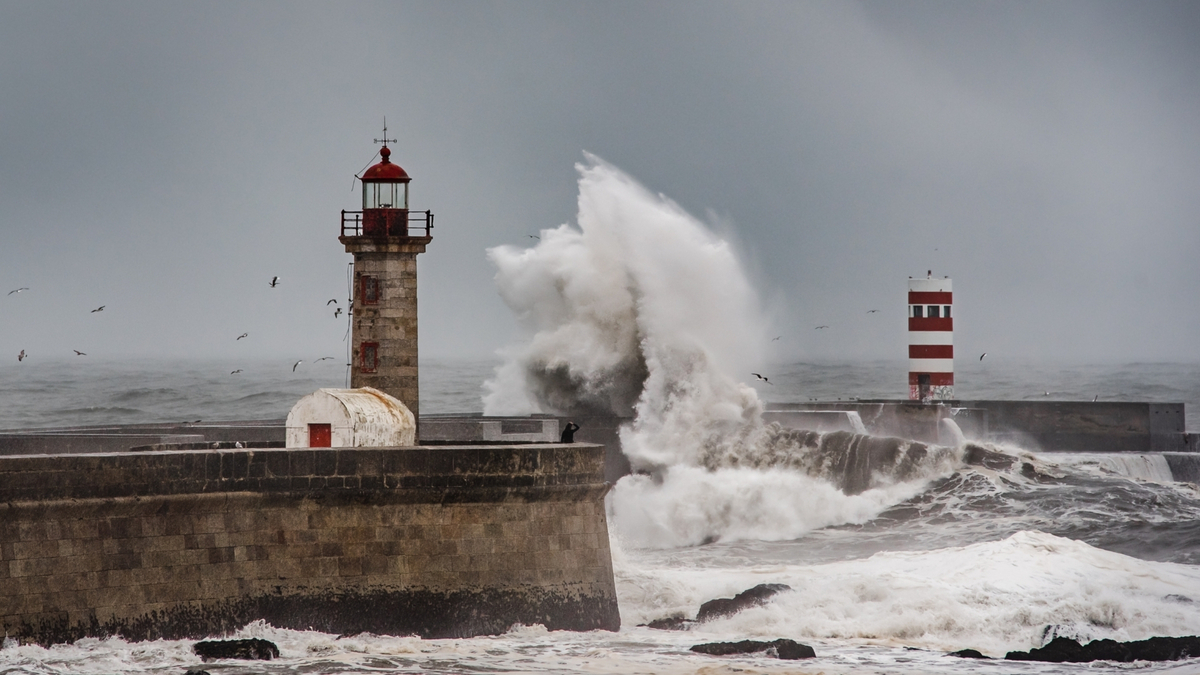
(166,159)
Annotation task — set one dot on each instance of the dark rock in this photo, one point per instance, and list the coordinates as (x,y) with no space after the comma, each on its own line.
(196,671)
(754,597)
(670,623)
(1066,650)
(968,654)
(977,455)
(783,649)
(252,649)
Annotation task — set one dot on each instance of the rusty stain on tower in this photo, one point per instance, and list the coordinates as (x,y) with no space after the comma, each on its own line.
(385,238)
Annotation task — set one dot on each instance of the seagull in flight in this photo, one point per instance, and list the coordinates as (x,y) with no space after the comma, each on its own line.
(99,309)
(337,311)
(982,355)
(1094,398)
(323,358)
(820,327)
(872,311)
(331,302)
(236,371)
(19,290)
(776,338)
(296,364)
(78,353)
(242,336)
(274,282)
(533,236)
(762,378)
(21,356)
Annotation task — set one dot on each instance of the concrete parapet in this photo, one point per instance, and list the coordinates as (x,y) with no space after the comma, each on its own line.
(463,428)
(1060,426)
(437,542)
(116,438)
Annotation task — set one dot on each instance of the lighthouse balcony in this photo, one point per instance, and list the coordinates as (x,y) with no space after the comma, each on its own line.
(387,223)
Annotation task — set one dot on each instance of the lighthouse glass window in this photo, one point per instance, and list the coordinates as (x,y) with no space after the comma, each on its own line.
(385,195)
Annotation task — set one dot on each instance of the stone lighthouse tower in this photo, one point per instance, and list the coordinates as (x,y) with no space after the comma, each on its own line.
(385,238)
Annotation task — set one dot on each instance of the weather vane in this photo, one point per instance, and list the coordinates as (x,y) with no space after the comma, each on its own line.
(385,139)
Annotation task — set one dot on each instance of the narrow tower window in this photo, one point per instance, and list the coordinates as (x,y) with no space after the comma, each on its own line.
(370,290)
(933,311)
(916,311)
(368,357)
(946,311)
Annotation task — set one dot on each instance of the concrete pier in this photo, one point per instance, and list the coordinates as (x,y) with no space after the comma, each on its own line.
(437,542)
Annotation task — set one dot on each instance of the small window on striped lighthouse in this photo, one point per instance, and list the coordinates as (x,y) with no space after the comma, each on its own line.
(933,311)
(946,311)
(916,311)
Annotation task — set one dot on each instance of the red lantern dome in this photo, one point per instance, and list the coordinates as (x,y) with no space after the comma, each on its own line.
(385,171)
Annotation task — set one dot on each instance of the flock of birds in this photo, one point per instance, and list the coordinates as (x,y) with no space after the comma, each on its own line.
(273,283)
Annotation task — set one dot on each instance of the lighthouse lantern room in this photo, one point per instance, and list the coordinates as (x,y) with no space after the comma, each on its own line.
(385,239)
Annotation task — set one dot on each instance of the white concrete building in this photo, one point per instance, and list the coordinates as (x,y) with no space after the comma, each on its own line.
(350,418)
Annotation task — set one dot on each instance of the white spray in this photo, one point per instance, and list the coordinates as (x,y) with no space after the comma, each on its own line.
(643,310)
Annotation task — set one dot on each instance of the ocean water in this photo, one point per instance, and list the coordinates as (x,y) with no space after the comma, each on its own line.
(883,582)
(640,309)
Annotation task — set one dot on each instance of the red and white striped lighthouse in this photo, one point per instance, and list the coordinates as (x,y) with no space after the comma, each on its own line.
(930,339)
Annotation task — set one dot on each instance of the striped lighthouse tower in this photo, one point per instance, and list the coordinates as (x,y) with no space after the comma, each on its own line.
(930,339)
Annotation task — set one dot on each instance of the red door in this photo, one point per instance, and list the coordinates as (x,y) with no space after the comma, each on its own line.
(320,435)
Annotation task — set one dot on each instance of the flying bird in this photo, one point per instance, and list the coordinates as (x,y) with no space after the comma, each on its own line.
(1094,398)
(21,356)
(776,338)
(274,282)
(872,311)
(242,336)
(78,353)
(337,312)
(296,364)
(820,327)
(762,378)
(331,302)
(18,290)
(324,358)
(236,371)
(99,309)
(982,355)
(534,236)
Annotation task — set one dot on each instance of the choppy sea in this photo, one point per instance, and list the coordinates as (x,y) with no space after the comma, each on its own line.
(887,581)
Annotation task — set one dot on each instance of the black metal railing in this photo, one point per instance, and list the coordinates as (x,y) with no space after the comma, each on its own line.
(394,222)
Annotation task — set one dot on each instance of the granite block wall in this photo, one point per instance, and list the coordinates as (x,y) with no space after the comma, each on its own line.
(437,542)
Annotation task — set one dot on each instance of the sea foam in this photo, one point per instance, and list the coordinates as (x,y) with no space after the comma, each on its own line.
(642,310)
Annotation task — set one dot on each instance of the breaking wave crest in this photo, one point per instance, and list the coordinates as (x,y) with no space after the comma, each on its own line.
(642,310)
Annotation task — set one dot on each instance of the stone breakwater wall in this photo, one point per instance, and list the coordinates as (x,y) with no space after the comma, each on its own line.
(435,542)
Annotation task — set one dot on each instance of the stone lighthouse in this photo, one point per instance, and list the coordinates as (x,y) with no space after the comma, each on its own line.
(385,238)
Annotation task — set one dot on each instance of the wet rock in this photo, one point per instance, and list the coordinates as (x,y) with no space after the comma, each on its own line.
(677,622)
(254,649)
(196,671)
(977,455)
(754,597)
(783,649)
(968,654)
(1066,650)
